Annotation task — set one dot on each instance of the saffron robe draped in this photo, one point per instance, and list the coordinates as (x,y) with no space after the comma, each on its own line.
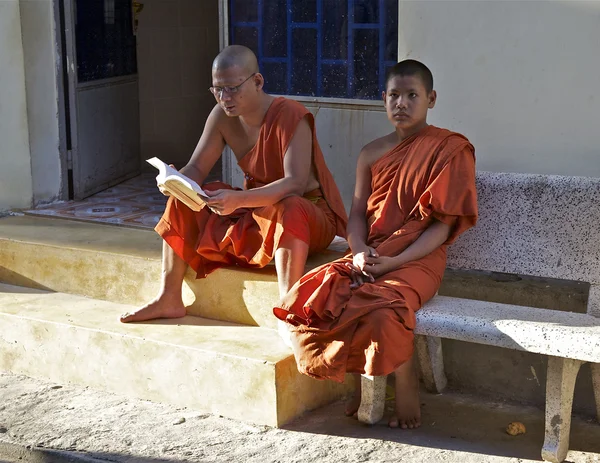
(336,329)
(250,237)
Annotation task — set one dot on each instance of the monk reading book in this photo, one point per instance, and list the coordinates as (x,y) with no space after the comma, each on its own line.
(414,194)
(290,205)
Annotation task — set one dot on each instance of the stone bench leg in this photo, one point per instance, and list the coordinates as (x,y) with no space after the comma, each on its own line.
(431,362)
(560,385)
(596,385)
(372,399)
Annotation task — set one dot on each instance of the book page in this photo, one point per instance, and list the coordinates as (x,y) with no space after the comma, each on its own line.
(168,174)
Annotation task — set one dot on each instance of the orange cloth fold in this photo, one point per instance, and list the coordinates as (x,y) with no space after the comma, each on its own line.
(338,330)
(250,237)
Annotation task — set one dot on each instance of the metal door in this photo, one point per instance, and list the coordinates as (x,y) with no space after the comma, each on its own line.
(103,100)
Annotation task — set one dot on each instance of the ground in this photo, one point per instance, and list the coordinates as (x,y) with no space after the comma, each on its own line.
(76,424)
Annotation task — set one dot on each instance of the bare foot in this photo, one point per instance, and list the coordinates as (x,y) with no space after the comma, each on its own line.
(353,404)
(164,306)
(408,409)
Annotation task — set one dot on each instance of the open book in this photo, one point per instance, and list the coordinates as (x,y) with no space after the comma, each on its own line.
(178,185)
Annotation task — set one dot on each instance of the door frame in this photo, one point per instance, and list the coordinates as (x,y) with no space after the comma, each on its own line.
(68,86)
(63,100)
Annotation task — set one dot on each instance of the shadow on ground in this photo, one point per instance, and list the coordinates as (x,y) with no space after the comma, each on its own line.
(11,453)
(456,422)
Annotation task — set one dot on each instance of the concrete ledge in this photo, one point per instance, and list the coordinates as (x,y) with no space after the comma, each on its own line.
(122,265)
(237,371)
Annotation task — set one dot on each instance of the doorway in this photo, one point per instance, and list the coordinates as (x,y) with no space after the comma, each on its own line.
(102,120)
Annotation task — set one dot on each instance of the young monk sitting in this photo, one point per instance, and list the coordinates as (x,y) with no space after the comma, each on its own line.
(290,205)
(415,193)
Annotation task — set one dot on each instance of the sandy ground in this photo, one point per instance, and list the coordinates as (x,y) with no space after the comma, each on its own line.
(62,423)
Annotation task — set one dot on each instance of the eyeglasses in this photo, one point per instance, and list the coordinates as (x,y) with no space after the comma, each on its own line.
(218,91)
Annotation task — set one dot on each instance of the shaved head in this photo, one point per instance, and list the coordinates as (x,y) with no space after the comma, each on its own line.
(411,67)
(236,55)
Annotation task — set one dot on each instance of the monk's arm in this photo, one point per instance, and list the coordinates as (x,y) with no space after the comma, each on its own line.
(356,230)
(208,150)
(432,238)
(297,163)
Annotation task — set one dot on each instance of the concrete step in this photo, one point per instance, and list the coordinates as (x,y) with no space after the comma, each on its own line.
(122,265)
(241,372)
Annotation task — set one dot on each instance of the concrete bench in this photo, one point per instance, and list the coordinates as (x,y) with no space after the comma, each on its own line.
(536,225)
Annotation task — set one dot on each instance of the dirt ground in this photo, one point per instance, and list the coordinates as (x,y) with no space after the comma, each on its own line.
(52,423)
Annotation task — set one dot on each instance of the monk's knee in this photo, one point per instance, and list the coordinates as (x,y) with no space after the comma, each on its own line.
(292,211)
(382,324)
(291,203)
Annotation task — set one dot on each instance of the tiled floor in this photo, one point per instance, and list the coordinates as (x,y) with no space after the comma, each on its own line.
(134,203)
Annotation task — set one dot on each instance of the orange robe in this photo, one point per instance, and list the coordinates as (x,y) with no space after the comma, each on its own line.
(338,330)
(250,237)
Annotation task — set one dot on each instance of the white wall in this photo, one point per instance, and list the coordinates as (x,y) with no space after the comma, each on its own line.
(15,160)
(520,79)
(41,62)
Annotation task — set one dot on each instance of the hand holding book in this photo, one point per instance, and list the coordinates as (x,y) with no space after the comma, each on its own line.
(176,184)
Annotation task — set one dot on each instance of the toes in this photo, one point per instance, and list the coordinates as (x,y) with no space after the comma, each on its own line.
(394,422)
(353,412)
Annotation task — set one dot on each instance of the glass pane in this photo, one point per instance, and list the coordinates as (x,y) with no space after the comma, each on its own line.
(104,39)
(304,11)
(335,29)
(369,55)
(304,63)
(366,11)
(275,77)
(275,35)
(335,79)
(247,36)
(366,63)
(391,30)
(243,10)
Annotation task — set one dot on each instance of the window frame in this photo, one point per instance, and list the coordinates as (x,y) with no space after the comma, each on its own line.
(324,102)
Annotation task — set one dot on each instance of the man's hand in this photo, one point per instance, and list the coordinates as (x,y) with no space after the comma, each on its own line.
(380,265)
(359,260)
(224,202)
(358,268)
(358,278)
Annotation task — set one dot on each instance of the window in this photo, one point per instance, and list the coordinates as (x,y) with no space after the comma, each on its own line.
(319,48)
(104,38)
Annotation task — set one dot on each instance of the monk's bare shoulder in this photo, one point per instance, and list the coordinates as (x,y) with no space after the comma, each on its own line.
(231,131)
(372,151)
(221,122)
